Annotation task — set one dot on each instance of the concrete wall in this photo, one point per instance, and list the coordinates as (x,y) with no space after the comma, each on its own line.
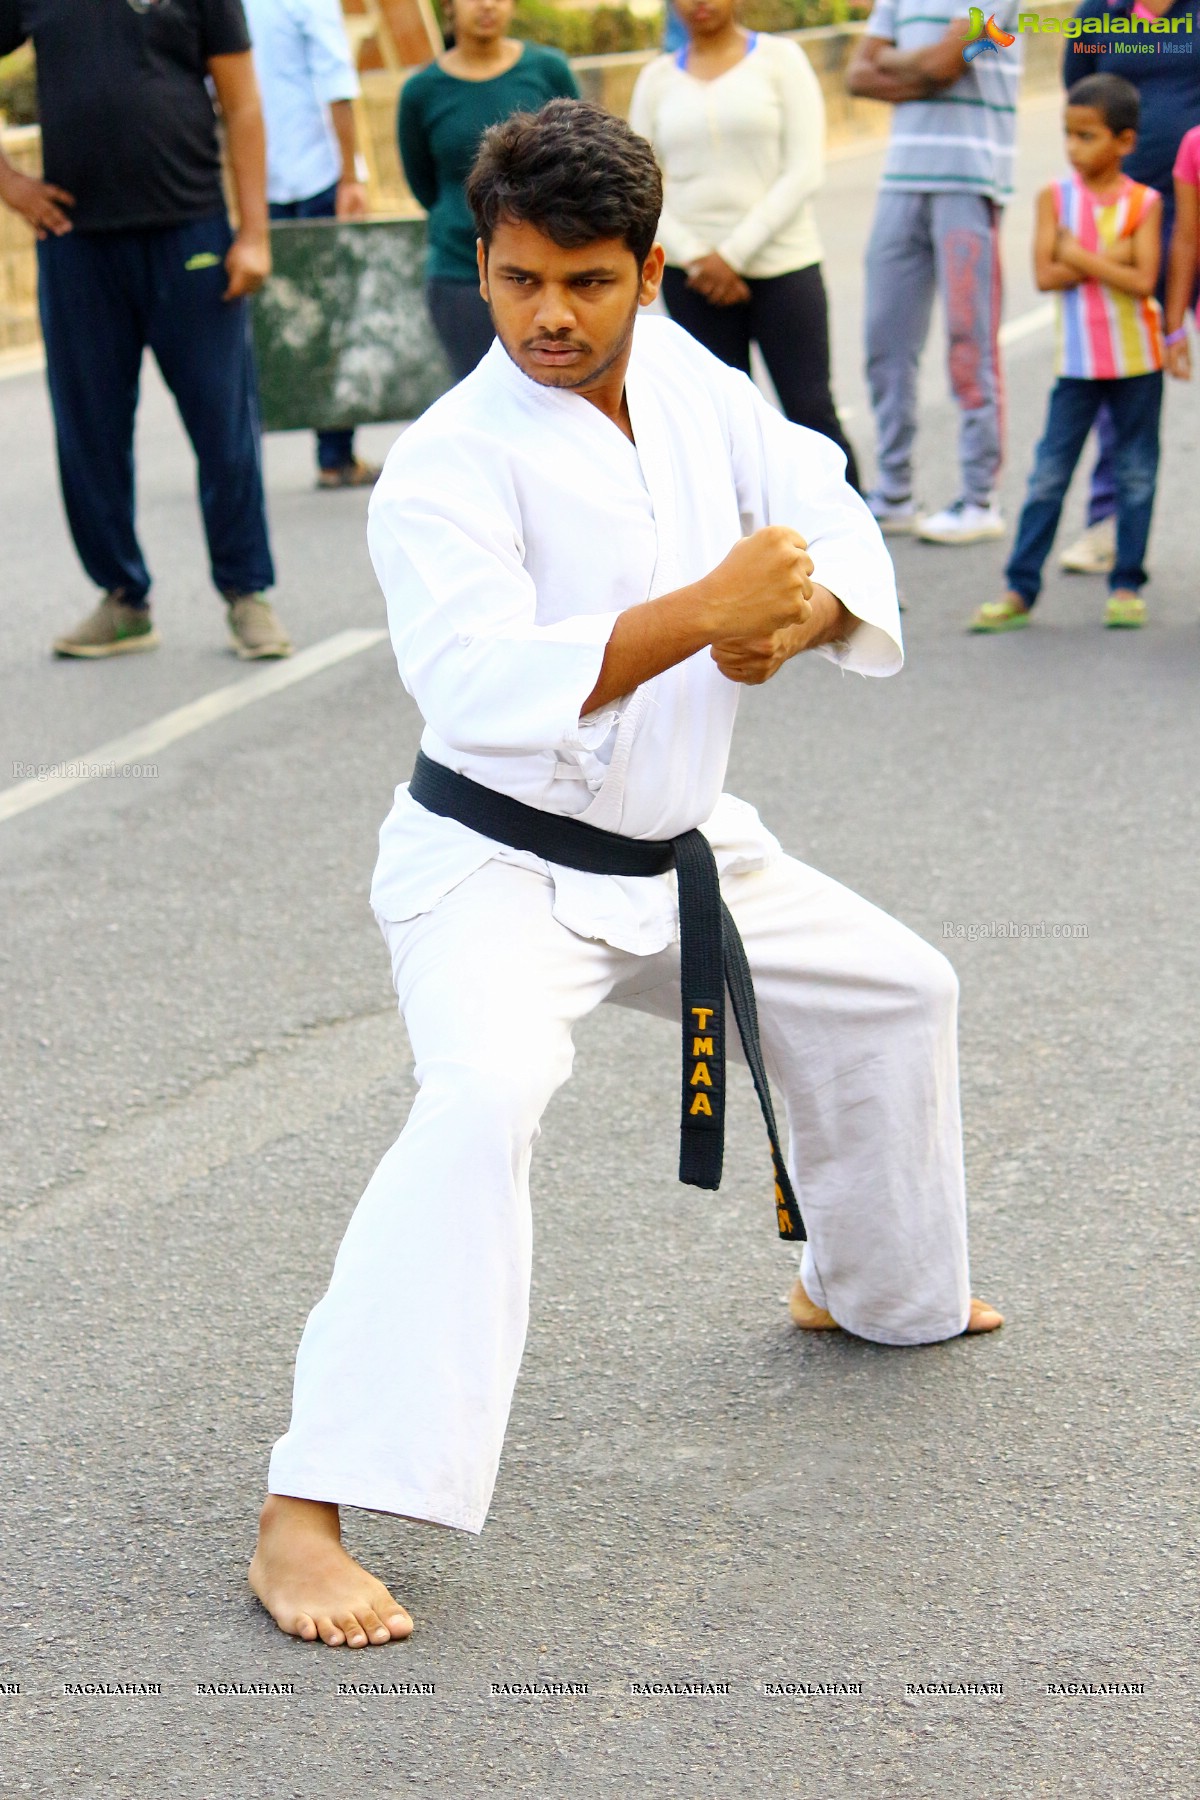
(606,79)
(18,261)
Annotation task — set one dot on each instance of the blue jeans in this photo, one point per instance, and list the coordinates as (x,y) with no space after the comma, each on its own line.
(335,449)
(104,297)
(1133,404)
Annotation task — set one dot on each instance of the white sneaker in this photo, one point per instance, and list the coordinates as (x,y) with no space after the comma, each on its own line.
(1095,553)
(962,523)
(895,518)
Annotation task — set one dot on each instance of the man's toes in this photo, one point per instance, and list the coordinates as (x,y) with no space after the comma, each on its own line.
(329,1633)
(373,1625)
(304,1628)
(353,1632)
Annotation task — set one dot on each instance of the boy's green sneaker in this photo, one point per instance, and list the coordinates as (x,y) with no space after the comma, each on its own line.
(114,629)
(1125,611)
(1001,615)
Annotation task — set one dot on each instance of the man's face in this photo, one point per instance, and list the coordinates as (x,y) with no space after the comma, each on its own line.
(564,316)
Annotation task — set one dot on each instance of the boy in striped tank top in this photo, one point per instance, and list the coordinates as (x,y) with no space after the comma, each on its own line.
(1097,246)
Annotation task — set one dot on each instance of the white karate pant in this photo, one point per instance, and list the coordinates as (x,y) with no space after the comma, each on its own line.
(406,1370)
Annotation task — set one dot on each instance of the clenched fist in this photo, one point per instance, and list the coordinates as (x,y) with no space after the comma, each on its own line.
(763,586)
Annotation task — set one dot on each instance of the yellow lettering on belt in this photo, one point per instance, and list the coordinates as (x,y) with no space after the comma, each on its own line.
(700,1074)
(700,1105)
(702,1014)
(702,1047)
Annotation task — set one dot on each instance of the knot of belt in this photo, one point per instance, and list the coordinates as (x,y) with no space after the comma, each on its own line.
(712,955)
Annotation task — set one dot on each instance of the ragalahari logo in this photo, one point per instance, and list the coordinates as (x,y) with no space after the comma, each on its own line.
(983,37)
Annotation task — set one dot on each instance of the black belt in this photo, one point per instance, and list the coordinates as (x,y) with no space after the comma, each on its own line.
(712,955)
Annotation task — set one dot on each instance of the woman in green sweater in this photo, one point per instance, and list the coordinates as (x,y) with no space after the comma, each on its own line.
(444,111)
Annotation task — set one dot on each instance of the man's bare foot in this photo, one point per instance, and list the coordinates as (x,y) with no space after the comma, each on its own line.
(810,1317)
(982,1317)
(807,1314)
(311,1586)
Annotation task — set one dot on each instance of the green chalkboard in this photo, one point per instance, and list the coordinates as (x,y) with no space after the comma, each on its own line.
(341,334)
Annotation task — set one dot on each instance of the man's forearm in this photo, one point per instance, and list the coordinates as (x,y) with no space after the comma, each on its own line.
(341,113)
(832,621)
(247,141)
(648,639)
(878,80)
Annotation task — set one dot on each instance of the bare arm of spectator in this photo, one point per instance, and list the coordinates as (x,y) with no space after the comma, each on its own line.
(878,71)
(335,83)
(1049,274)
(39,203)
(351,194)
(1138,276)
(249,260)
(1183,261)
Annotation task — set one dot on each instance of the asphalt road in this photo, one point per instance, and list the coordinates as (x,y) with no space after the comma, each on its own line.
(201,1065)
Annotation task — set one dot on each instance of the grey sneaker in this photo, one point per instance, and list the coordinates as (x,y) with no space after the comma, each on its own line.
(114,629)
(895,518)
(254,630)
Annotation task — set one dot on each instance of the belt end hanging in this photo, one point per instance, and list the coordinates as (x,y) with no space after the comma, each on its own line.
(787,1211)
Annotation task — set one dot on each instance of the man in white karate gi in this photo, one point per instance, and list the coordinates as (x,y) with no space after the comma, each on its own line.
(587,547)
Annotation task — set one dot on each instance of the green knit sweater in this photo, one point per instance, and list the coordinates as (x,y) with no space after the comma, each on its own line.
(442,118)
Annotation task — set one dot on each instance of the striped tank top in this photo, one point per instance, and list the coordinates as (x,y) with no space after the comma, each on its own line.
(1102,333)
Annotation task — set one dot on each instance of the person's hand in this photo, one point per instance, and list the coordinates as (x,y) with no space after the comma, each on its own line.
(763,586)
(351,201)
(248,264)
(755,660)
(1179,360)
(720,285)
(40,203)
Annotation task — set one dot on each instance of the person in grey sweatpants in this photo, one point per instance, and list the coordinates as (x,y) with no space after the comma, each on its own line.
(948,172)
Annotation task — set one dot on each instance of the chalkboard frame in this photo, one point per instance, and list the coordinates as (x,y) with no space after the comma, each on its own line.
(341,333)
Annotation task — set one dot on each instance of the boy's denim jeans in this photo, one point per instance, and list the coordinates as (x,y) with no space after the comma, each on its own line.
(1134,403)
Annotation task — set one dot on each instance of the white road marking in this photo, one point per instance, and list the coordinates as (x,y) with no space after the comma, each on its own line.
(140,745)
(1026,323)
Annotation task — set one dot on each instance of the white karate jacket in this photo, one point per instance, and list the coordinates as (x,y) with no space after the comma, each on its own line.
(511,525)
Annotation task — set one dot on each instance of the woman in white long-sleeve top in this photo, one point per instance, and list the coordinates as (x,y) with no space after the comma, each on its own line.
(737,121)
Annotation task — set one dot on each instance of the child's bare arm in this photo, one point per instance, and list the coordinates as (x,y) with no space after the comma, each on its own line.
(1049,273)
(1184,254)
(1138,277)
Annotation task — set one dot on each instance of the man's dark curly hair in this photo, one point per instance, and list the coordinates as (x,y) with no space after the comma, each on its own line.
(573,171)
